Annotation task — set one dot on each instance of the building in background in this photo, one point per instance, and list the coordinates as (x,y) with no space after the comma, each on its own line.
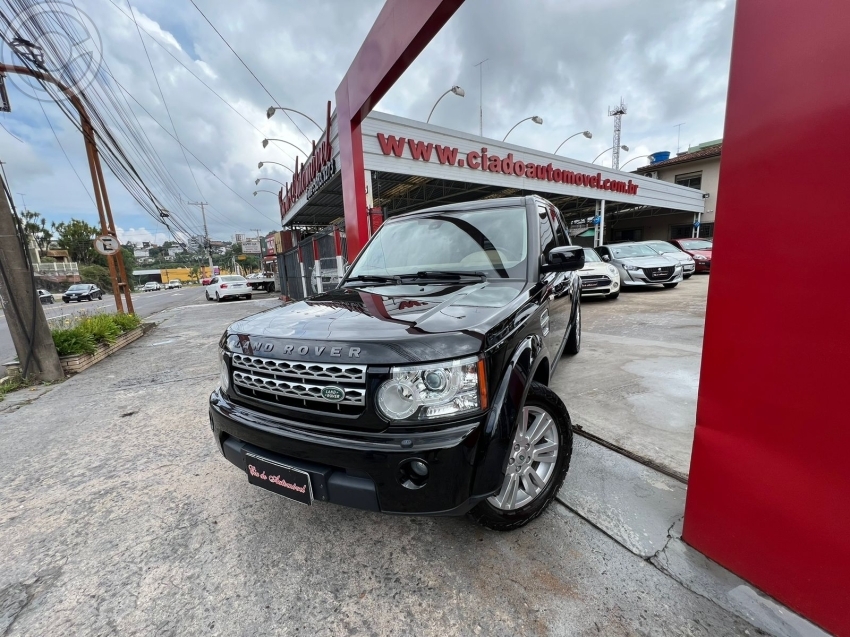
(698,167)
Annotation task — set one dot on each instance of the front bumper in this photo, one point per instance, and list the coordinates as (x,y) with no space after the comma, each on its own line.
(703,266)
(355,468)
(599,285)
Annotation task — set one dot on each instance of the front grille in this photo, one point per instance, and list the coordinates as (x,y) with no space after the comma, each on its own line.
(595,281)
(659,274)
(300,384)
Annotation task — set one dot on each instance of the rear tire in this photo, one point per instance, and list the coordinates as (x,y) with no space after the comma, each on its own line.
(248,298)
(217,298)
(671,285)
(540,400)
(613,296)
(573,345)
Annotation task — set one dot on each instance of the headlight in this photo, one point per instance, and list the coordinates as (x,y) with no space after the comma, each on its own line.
(224,375)
(632,268)
(612,269)
(699,257)
(423,392)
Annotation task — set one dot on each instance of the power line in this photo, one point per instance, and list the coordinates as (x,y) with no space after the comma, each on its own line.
(248,68)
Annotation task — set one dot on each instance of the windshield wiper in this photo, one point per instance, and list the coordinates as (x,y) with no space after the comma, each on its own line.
(373,277)
(444,275)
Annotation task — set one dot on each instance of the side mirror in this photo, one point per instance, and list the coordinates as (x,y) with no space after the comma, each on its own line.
(564,259)
(606,258)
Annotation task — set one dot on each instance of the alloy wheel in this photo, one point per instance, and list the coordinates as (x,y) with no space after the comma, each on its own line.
(531,462)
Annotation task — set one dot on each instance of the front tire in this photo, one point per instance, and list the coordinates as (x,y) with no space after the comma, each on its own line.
(537,463)
(573,345)
(207,294)
(671,285)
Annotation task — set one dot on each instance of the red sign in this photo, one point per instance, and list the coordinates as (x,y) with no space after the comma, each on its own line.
(315,172)
(392,145)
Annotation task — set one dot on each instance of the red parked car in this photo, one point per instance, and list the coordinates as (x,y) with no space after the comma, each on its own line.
(699,249)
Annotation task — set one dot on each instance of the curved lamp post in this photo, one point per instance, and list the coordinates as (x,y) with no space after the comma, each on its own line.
(534,118)
(586,133)
(455,89)
(623,147)
(276,163)
(274,139)
(633,158)
(271,192)
(270,112)
(259,179)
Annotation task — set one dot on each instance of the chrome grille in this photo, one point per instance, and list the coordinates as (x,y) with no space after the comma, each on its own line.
(299,383)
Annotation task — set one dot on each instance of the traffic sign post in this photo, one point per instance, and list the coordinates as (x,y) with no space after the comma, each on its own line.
(107,245)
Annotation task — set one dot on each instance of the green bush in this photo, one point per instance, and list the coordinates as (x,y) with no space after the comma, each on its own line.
(84,337)
(126,322)
(76,340)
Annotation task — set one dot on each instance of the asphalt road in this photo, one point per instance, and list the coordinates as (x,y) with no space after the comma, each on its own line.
(145,304)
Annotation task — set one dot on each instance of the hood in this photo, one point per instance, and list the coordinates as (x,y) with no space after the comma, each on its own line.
(659,261)
(705,253)
(388,323)
(594,267)
(681,257)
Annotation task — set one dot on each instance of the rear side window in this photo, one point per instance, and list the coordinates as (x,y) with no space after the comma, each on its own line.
(558,225)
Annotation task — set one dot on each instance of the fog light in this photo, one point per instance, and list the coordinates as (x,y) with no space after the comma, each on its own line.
(413,473)
(616,285)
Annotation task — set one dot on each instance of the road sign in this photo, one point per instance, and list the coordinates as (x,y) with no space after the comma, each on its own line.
(107,245)
(696,224)
(596,220)
(241,257)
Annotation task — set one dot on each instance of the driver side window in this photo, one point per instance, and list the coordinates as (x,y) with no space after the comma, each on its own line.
(547,235)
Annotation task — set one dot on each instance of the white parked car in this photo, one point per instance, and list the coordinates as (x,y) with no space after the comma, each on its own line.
(597,277)
(151,286)
(174,284)
(228,286)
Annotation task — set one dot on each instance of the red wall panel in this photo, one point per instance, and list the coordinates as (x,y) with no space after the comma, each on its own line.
(770,477)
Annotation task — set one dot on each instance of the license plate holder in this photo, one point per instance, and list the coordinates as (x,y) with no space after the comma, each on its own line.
(589,284)
(281,479)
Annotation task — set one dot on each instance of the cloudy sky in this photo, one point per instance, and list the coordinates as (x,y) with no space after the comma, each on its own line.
(566,61)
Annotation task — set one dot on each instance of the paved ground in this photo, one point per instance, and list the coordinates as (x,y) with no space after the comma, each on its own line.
(120,517)
(145,304)
(635,382)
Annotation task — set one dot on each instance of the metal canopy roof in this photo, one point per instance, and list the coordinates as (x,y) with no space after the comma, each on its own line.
(396,194)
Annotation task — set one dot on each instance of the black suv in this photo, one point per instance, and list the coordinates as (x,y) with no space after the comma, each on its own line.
(418,386)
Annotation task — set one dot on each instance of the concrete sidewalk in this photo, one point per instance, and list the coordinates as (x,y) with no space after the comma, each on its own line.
(120,517)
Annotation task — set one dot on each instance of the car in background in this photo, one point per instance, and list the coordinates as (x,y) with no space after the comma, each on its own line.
(226,286)
(675,252)
(82,292)
(699,249)
(597,277)
(174,284)
(151,286)
(206,280)
(45,297)
(639,265)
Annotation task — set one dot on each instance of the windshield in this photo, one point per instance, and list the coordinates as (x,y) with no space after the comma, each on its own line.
(664,247)
(232,279)
(590,255)
(77,288)
(624,252)
(696,245)
(493,242)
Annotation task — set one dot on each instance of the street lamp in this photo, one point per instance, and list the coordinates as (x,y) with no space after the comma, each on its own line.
(272,109)
(633,158)
(623,147)
(271,192)
(534,118)
(455,89)
(586,133)
(276,163)
(272,139)
(259,179)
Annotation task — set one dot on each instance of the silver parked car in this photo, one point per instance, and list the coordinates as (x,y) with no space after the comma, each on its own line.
(640,265)
(669,250)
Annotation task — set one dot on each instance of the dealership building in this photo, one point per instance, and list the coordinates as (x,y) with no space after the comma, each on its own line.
(410,165)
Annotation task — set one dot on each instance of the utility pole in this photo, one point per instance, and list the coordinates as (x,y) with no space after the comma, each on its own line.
(24,314)
(201,204)
(480,66)
(678,135)
(617,114)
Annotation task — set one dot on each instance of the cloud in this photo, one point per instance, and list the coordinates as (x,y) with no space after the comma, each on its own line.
(565,61)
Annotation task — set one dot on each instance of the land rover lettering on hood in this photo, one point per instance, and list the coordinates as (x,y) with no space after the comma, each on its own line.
(419,384)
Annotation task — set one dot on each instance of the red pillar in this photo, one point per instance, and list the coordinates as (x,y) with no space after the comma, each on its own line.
(401,31)
(769,491)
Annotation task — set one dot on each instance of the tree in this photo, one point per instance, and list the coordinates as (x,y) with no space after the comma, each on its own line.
(36,227)
(195,273)
(129,261)
(76,237)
